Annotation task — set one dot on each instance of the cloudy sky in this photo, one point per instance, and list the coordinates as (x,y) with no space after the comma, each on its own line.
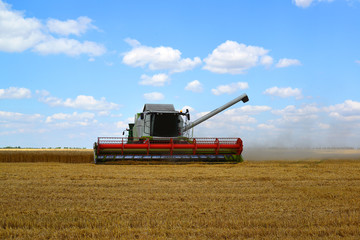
(75,70)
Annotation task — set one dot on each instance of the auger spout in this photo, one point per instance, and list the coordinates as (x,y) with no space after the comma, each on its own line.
(244,98)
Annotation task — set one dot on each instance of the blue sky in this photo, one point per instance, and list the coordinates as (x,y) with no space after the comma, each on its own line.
(75,70)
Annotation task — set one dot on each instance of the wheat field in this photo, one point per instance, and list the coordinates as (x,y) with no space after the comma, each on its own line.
(47,155)
(251,200)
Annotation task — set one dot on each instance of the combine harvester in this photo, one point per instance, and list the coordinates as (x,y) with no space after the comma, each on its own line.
(161,134)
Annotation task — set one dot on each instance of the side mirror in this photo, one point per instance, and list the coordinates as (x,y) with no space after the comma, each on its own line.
(142,116)
(187,114)
(125,130)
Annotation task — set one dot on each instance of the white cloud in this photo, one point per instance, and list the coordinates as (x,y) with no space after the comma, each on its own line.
(191,109)
(14,116)
(248,110)
(307,3)
(42,94)
(81,102)
(266,126)
(286,62)
(69,47)
(15,93)
(103,113)
(284,92)
(122,125)
(12,123)
(158,58)
(226,120)
(303,3)
(347,111)
(349,106)
(65,28)
(266,60)
(229,89)
(230,123)
(19,33)
(132,42)
(235,58)
(155,80)
(154,96)
(324,126)
(341,117)
(293,114)
(307,126)
(194,86)
(119,115)
(64,120)
(84,117)
(242,119)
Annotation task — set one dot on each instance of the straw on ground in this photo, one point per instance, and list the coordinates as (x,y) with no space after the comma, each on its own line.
(262,200)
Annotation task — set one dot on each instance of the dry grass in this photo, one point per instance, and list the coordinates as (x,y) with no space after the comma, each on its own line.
(47,155)
(256,200)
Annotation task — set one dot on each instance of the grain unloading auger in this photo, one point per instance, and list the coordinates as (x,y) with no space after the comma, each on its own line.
(159,134)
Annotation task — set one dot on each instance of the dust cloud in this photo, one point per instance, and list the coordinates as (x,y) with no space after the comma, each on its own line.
(296,154)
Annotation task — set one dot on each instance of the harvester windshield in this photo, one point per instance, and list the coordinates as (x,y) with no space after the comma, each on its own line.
(165,125)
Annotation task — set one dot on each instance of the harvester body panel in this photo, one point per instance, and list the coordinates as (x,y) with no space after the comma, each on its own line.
(158,133)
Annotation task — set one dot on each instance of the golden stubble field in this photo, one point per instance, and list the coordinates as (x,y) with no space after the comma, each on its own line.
(253,200)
